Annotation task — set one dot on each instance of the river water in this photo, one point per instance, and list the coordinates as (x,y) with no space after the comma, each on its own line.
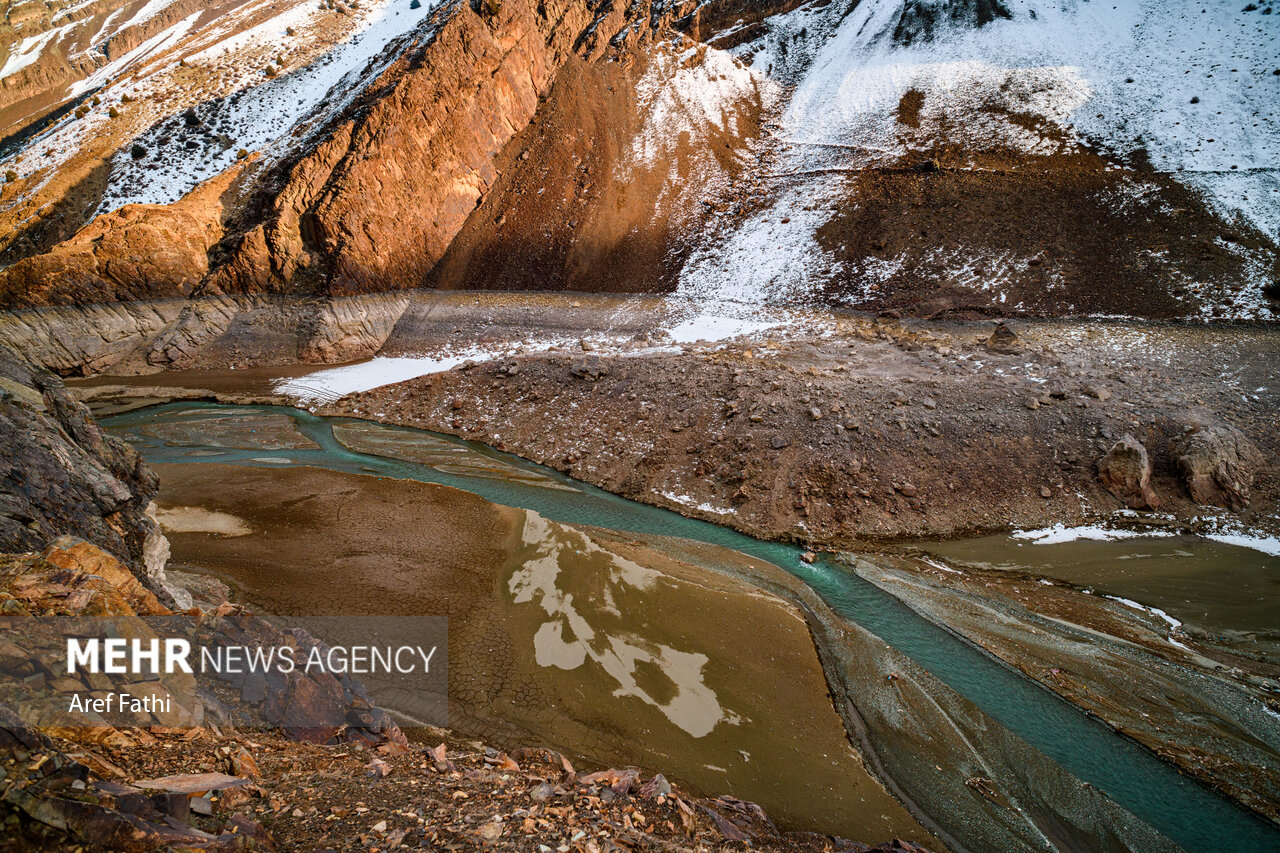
(933,714)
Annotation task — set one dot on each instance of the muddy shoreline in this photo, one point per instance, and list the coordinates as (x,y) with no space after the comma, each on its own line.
(874,431)
(834,430)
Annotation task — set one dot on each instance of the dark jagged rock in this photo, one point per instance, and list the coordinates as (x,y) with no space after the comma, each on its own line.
(62,474)
(920,18)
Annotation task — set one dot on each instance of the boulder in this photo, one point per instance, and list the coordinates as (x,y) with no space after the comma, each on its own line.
(1003,340)
(1218,464)
(1126,472)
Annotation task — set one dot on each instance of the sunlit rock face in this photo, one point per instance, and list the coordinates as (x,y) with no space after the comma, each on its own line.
(984,157)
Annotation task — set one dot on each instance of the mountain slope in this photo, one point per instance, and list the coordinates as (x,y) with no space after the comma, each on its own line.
(928,156)
(1019,156)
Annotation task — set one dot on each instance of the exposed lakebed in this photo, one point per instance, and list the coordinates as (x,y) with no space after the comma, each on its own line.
(693,655)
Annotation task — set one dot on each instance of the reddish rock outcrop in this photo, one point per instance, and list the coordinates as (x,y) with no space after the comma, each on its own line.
(136,252)
(375,205)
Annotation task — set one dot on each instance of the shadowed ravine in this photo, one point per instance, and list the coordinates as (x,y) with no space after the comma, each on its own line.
(894,718)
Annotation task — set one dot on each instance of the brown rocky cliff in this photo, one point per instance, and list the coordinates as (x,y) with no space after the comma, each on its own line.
(728,23)
(376,205)
(382,190)
(62,474)
(137,252)
(579,206)
(89,36)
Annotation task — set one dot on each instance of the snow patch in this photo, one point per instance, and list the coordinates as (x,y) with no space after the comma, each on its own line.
(1190,82)
(147,12)
(273,31)
(692,502)
(772,258)
(1174,624)
(27,52)
(711,327)
(327,386)
(264,117)
(687,92)
(158,43)
(1059,533)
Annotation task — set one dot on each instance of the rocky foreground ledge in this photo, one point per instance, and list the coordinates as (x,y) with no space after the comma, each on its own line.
(220,790)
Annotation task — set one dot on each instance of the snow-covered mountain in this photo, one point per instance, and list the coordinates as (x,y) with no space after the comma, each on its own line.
(1157,96)
(84,82)
(928,156)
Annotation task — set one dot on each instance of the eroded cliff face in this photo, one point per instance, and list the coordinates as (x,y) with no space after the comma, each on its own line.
(501,123)
(63,475)
(86,84)
(45,45)
(609,187)
(380,201)
(134,253)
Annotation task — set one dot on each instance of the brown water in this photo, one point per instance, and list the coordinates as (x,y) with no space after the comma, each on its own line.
(1220,591)
(602,646)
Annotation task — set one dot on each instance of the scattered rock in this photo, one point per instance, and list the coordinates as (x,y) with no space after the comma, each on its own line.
(243,764)
(1003,340)
(1126,472)
(1218,464)
(192,783)
(590,368)
(658,786)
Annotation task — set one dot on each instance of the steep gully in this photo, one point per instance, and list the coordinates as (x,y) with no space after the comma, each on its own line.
(1058,812)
